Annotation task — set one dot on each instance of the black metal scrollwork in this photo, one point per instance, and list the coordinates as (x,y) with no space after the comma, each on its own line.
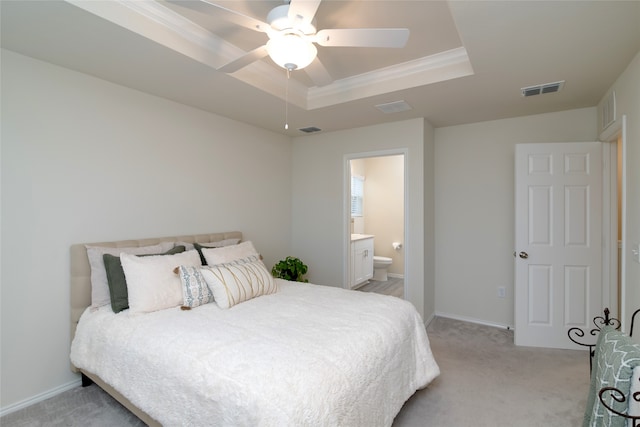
(600,321)
(619,397)
(576,333)
(611,393)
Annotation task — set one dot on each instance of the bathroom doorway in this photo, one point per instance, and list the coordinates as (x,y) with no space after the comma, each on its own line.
(377,202)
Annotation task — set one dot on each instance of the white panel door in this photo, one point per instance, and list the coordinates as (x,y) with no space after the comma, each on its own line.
(558,252)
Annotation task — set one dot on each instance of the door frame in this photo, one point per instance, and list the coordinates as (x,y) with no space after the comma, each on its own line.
(609,138)
(346,209)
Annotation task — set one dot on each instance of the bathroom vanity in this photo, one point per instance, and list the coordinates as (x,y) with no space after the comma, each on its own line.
(361,259)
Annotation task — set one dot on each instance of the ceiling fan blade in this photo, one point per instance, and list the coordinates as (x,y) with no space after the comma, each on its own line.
(209,8)
(318,73)
(301,12)
(251,56)
(363,37)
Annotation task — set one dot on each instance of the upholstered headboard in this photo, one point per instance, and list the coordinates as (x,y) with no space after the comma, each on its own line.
(81,271)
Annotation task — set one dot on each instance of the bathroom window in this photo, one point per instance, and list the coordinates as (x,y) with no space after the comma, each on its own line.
(357,194)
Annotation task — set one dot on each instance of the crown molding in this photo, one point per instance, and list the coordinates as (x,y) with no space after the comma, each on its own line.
(157,22)
(435,68)
(161,24)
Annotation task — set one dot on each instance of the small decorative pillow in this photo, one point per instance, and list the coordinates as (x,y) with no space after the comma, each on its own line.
(218,244)
(118,282)
(151,283)
(195,291)
(238,281)
(99,285)
(227,254)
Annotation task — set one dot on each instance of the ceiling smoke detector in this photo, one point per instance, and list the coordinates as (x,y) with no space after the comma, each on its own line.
(541,89)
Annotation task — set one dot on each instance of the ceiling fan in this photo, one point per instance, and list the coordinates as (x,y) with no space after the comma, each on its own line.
(292,37)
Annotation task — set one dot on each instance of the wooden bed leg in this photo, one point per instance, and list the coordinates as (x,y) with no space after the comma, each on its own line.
(86,381)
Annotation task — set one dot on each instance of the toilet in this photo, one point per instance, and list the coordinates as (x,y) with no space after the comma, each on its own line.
(380,266)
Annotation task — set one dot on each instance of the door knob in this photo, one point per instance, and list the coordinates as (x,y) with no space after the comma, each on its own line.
(523,255)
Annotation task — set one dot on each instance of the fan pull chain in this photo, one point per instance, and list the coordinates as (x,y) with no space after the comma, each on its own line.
(286,101)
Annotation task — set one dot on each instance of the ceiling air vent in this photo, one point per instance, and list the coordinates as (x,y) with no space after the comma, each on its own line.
(394,107)
(310,129)
(540,89)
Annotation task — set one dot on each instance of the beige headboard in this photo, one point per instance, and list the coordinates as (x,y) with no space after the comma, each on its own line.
(81,271)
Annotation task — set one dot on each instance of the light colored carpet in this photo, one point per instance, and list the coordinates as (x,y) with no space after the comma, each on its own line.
(485,381)
(78,407)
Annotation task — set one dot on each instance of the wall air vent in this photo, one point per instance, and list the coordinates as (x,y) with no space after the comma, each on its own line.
(310,129)
(393,107)
(540,89)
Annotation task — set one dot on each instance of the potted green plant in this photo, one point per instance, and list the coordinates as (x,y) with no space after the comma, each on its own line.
(290,268)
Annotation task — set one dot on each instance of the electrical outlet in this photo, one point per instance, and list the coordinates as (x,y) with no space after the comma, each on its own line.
(502,292)
(635,250)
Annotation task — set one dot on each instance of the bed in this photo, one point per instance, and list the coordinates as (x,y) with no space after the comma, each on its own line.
(295,354)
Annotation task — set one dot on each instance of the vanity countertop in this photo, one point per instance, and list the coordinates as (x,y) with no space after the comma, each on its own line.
(355,237)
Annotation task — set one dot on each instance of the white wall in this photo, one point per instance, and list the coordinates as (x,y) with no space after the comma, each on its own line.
(429,260)
(318,212)
(84,160)
(627,89)
(474,208)
(384,207)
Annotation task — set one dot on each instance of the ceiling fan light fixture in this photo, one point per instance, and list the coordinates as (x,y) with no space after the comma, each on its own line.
(290,51)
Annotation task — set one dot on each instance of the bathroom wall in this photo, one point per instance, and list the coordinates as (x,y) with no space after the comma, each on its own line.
(384,207)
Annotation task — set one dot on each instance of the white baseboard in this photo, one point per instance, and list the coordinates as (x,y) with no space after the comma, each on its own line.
(39,397)
(472,320)
(396,275)
(429,320)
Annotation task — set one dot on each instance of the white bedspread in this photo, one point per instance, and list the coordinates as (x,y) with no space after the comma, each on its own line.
(307,355)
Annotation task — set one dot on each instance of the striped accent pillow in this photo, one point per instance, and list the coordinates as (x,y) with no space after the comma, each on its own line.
(194,288)
(238,281)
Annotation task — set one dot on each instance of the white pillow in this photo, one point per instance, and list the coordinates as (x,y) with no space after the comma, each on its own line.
(151,283)
(228,254)
(99,286)
(195,291)
(238,281)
